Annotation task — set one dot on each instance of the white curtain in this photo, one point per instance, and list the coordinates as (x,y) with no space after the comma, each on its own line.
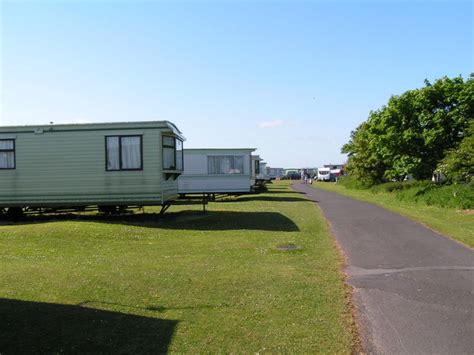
(7,160)
(179,155)
(113,157)
(238,167)
(6,144)
(168,158)
(225,164)
(131,153)
(212,165)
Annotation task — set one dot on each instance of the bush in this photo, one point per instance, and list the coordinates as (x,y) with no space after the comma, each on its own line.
(458,164)
(353,183)
(443,195)
(449,196)
(399,186)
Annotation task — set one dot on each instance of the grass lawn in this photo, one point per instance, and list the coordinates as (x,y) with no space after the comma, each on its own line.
(187,282)
(457,224)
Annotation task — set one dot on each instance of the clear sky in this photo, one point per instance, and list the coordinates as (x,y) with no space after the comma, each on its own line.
(291,78)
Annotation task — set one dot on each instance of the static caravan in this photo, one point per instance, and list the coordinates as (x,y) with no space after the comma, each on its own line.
(275,173)
(214,171)
(255,168)
(99,164)
(262,176)
(324,174)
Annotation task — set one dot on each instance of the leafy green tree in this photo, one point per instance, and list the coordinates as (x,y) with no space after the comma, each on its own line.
(458,164)
(412,133)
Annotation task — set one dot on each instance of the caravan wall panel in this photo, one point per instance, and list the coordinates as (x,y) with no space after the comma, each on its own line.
(69,168)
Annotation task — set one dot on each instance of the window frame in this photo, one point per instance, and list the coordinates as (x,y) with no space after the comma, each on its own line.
(176,154)
(256,166)
(13,150)
(174,146)
(233,156)
(120,152)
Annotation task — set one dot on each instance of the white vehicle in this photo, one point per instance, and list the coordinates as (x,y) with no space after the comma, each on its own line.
(324,174)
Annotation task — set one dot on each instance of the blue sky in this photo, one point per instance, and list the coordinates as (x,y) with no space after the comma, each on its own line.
(291,78)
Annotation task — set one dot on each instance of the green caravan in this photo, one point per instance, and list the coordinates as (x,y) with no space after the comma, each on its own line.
(105,165)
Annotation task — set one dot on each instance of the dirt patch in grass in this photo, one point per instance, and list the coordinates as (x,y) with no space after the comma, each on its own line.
(288,247)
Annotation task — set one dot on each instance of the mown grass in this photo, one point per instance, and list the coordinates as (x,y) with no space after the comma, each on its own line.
(455,223)
(188,282)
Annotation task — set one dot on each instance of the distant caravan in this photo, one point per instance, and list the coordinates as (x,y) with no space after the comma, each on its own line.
(216,171)
(275,173)
(324,174)
(329,174)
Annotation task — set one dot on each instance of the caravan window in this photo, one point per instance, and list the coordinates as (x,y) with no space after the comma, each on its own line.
(225,164)
(257,167)
(172,153)
(124,153)
(7,154)
(179,155)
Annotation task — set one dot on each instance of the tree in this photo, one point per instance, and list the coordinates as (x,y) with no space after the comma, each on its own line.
(458,164)
(412,133)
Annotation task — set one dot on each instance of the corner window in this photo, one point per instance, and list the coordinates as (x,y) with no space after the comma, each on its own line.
(124,153)
(179,155)
(225,164)
(7,154)
(172,153)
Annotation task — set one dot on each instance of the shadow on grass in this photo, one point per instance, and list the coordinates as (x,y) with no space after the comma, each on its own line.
(232,220)
(271,198)
(284,192)
(184,220)
(159,309)
(34,327)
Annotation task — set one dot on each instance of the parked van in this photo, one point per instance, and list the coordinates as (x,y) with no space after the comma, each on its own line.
(324,174)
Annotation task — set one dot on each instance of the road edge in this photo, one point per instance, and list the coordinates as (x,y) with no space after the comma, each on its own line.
(361,341)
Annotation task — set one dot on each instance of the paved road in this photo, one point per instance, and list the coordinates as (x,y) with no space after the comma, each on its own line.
(413,288)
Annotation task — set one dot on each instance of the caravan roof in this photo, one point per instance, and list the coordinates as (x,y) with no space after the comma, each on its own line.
(72,127)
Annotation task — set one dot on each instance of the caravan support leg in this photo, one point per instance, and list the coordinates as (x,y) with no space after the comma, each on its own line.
(164,208)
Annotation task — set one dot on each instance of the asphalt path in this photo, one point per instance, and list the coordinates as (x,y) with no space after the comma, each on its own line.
(413,288)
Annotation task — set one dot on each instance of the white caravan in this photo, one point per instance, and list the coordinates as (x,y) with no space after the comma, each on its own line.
(275,173)
(324,174)
(262,176)
(214,171)
(255,168)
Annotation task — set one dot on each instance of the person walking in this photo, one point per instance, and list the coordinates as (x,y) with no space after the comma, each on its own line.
(305,177)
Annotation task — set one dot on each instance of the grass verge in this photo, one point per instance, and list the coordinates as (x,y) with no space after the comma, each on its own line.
(224,281)
(454,223)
